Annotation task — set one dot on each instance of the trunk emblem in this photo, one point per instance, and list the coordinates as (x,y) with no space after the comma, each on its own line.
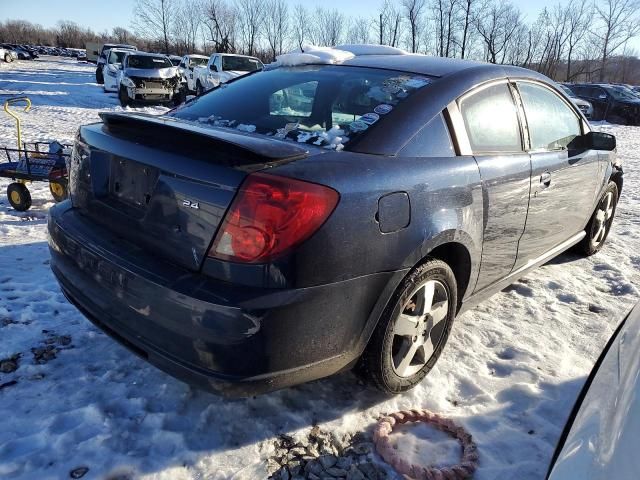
(190,204)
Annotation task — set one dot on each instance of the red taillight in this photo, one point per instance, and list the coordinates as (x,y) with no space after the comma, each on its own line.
(269,216)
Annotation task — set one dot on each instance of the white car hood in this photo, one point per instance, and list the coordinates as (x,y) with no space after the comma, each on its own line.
(236,73)
(168,72)
(602,442)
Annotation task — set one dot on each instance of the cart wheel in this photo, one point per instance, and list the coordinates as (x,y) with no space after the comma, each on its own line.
(19,196)
(58,191)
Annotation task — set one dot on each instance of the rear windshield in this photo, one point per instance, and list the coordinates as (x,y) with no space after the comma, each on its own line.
(242,64)
(325,105)
(147,61)
(198,61)
(116,57)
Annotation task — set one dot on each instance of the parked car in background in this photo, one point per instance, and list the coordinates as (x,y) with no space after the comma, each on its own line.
(599,439)
(187,65)
(585,107)
(102,58)
(610,103)
(14,53)
(9,55)
(221,68)
(243,245)
(111,69)
(148,78)
(82,56)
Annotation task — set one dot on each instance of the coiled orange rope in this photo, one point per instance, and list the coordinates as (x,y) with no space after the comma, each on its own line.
(464,470)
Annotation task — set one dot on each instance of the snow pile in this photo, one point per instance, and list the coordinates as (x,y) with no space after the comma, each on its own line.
(312,55)
(371,49)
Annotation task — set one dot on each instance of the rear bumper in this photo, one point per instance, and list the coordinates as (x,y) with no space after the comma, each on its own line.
(232,340)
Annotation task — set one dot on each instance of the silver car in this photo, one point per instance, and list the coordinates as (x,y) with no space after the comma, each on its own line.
(601,437)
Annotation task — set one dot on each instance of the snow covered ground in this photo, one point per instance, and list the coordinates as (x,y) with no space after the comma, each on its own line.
(510,373)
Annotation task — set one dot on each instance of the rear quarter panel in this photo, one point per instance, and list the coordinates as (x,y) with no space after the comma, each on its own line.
(445,199)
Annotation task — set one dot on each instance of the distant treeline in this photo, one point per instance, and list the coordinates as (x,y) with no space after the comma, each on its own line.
(575,40)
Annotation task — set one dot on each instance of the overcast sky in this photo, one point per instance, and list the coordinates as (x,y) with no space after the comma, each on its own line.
(103,15)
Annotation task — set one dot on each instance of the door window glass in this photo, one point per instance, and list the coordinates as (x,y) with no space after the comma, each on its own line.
(491,120)
(552,123)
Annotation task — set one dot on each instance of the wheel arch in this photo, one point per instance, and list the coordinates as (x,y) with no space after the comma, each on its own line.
(457,256)
(617,178)
(454,247)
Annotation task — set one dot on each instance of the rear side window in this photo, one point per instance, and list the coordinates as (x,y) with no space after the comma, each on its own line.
(242,64)
(552,123)
(432,141)
(491,119)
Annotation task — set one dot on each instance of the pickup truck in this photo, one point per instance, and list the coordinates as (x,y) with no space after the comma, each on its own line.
(102,58)
(221,68)
(186,67)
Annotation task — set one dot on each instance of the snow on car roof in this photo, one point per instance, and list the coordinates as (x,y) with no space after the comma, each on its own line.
(370,49)
(376,56)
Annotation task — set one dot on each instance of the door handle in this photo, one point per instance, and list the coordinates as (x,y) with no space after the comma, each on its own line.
(545,179)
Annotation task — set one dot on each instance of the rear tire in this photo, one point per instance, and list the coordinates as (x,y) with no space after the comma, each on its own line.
(99,76)
(600,223)
(123,96)
(19,196)
(413,329)
(8,58)
(199,89)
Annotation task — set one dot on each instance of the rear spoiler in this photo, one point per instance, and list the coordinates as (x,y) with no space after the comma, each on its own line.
(271,149)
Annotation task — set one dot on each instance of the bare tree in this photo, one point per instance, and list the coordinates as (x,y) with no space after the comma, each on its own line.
(388,23)
(618,23)
(359,31)
(467,10)
(497,24)
(153,19)
(276,25)
(579,15)
(251,19)
(185,26)
(330,25)
(413,11)
(301,26)
(445,13)
(220,24)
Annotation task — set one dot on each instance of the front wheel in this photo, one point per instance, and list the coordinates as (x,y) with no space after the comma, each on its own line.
(8,58)
(99,76)
(600,223)
(19,196)
(123,96)
(413,329)
(199,89)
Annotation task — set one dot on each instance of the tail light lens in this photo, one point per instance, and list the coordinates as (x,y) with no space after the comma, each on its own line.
(271,215)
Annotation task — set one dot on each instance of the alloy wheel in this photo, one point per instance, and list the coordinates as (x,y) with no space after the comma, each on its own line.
(603,218)
(419,328)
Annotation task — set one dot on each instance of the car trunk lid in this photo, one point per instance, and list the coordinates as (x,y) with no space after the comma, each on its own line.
(163,184)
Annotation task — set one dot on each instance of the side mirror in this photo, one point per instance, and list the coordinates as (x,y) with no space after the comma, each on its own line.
(213,68)
(594,141)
